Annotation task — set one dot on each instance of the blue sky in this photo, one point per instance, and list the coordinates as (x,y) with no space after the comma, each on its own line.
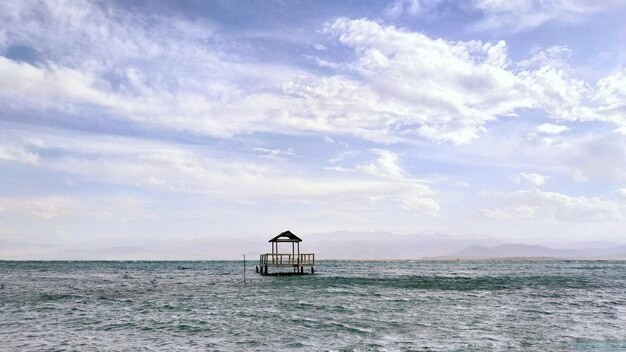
(182,119)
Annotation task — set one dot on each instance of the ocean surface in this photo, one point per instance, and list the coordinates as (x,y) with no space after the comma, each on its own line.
(344,306)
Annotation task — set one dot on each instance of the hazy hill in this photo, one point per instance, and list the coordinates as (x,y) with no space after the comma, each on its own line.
(336,245)
(384,245)
(536,251)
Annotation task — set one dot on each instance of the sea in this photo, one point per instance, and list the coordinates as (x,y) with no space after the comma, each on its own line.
(344,306)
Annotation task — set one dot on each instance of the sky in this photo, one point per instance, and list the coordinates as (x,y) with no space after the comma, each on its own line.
(135,121)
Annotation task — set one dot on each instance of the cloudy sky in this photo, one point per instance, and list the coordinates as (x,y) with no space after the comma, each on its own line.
(136,120)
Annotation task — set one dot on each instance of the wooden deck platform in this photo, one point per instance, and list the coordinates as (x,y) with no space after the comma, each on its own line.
(295,262)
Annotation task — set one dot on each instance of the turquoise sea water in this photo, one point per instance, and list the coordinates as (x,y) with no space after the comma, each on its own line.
(346,305)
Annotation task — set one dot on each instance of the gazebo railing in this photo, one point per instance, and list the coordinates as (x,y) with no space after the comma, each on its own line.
(287,259)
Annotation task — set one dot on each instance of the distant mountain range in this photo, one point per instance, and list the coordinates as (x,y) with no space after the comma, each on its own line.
(384,245)
(380,245)
(336,245)
(536,251)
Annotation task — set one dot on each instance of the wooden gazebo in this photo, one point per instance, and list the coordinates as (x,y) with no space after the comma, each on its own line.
(294,260)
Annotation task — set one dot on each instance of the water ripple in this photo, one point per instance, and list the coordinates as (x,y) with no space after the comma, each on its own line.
(204,306)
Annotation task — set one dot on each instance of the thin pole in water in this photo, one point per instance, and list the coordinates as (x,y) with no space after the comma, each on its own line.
(244,269)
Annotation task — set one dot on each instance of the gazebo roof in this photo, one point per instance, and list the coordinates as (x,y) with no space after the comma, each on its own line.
(286,236)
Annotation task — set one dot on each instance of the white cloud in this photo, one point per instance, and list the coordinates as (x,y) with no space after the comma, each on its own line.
(412,8)
(430,87)
(450,91)
(338,169)
(610,99)
(551,206)
(274,153)
(385,165)
(583,155)
(173,73)
(521,15)
(62,87)
(555,57)
(550,128)
(332,141)
(344,155)
(621,193)
(415,195)
(119,208)
(37,84)
(427,205)
(441,90)
(182,75)
(502,15)
(510,213)
(192,170)
(530,179)
(17,153)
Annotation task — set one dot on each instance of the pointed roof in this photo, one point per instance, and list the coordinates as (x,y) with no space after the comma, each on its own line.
(286,236)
